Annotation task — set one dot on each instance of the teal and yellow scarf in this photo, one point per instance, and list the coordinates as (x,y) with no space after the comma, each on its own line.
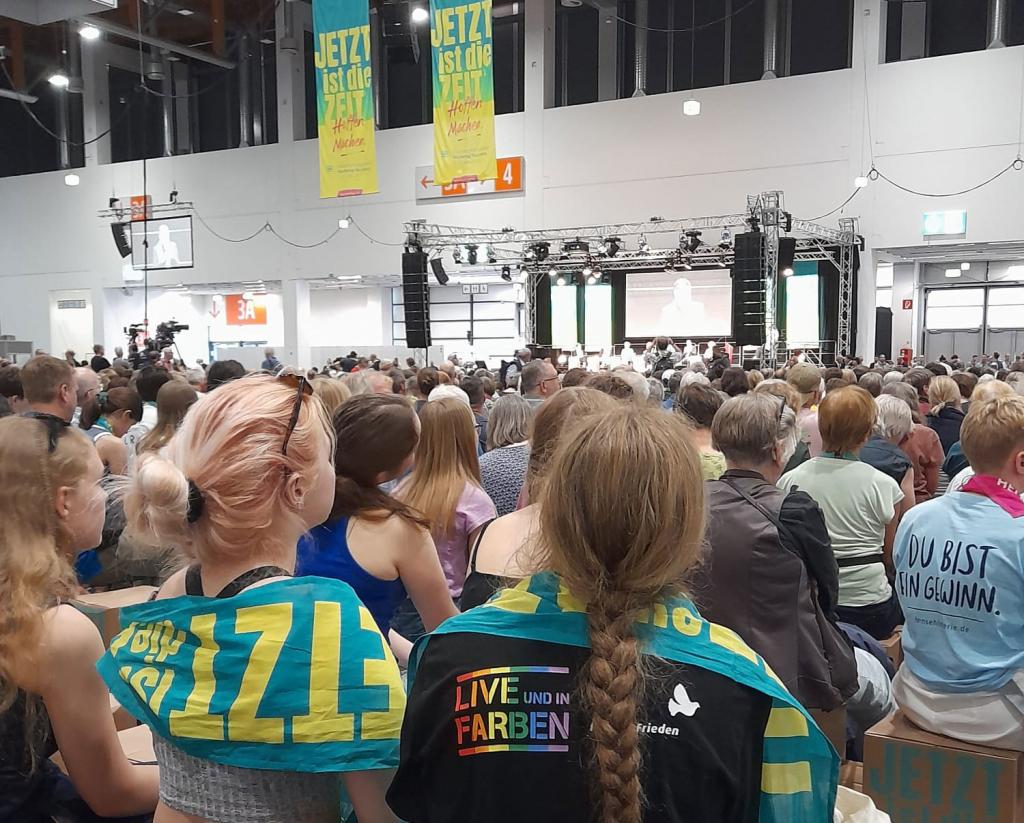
(293,675)
(800,768)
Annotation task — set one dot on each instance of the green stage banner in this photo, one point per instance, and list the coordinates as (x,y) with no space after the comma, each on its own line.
(463,55)
(344,98)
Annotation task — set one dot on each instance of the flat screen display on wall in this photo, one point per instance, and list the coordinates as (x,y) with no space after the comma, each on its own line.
(679,304)
(170,243)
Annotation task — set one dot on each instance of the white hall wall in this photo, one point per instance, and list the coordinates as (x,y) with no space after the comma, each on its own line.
(610,161)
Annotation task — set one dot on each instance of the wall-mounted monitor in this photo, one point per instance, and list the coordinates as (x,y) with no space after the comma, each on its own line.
(170,243)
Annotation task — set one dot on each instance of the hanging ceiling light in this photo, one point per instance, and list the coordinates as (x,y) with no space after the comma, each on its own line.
(71,179)
(419,15)
(691,107)
(89,33)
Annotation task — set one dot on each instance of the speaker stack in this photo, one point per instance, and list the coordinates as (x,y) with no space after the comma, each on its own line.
(748,289)
(416,296)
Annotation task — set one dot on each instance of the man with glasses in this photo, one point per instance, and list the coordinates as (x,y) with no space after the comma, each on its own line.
(538,381)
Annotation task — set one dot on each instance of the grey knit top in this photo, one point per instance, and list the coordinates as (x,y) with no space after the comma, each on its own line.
(228,794)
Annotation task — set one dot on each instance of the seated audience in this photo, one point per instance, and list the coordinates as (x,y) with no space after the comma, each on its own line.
(575,377)
(893,425)
(147,383)
(427,380)
(945,416)
(87,383)
(538,381)
(780,388)
(919,379)
(445,487)
(699,404)
(173,401)
(769,572)
(612,384)
(474,389)
(372,541)
(961,557)
(12,390)
(106,419)
(860,507)
(872,383)
(734,381)
(966,382)
(332,393)
(806,379)
(221,372)
(249,473)
(50,692)
(644,724)
(99,361)
(922,445)
(49,386)
(504,546)
(503,465)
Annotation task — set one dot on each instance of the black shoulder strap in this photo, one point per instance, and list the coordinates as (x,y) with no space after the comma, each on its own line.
(476,545)
(194,582)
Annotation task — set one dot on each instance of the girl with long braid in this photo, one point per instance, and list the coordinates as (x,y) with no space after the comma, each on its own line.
(593,690)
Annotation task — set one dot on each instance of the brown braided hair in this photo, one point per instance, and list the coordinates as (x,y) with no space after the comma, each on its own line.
(622,522)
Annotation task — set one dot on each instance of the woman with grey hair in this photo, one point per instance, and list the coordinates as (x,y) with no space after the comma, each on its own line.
(922,445)
(657,392)
(770,570)
(503,466)
(893,425)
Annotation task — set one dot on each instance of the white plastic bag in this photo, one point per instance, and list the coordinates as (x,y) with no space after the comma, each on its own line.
(854,807)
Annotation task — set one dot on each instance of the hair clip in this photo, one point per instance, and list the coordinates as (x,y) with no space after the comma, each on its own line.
(196,503)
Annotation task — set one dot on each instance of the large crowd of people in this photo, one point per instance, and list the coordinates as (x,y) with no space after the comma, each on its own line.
(440,593)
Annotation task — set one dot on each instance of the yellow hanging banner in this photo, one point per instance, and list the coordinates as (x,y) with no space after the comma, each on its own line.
(463,62)
(344,98)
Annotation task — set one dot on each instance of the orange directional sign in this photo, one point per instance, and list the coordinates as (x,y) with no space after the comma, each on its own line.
(509,179)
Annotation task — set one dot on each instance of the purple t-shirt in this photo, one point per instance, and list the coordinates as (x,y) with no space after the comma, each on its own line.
(472,511)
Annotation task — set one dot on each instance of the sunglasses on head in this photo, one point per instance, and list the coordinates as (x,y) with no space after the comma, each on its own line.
(55,426)
(302,387)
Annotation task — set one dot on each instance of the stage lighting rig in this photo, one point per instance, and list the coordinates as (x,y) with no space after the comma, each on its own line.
(506,274)
(726,238)
(471,253)
(610,246)
(692,240)
(645,247)
(576,245)
(538,252)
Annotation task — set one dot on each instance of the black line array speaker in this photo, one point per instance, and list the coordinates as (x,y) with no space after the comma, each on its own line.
(748,289)
(416,296)
(120,232)
(883,331)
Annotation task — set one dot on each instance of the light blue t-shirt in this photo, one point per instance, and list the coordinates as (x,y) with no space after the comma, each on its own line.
(960,579)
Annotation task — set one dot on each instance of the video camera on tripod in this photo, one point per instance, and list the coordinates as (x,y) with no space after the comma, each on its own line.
(163,339)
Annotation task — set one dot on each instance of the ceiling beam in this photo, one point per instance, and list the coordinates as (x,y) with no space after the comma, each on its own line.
(158,42)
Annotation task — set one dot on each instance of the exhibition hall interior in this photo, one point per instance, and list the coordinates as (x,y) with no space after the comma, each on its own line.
(490,410)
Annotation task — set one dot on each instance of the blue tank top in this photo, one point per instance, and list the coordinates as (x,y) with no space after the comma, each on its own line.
(324,552)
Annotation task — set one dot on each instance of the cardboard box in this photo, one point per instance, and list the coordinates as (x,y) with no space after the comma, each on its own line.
(104,608)
(894,648)
(918,776)
(851,775)
(833,725)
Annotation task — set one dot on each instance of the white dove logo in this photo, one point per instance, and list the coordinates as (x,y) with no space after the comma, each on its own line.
(680,703)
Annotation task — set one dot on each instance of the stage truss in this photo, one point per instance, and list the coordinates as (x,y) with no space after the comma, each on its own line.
(585,254)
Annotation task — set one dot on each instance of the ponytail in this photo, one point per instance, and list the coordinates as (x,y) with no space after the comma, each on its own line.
(156,504)
(611,690)
(370,503)
(620,558)
(109,402)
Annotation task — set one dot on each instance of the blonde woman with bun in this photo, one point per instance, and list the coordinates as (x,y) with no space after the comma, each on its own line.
(945,416)
(50,692)
(594,687)
(268,695)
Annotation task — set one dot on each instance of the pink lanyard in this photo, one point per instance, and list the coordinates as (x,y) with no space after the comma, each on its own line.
(998,491)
